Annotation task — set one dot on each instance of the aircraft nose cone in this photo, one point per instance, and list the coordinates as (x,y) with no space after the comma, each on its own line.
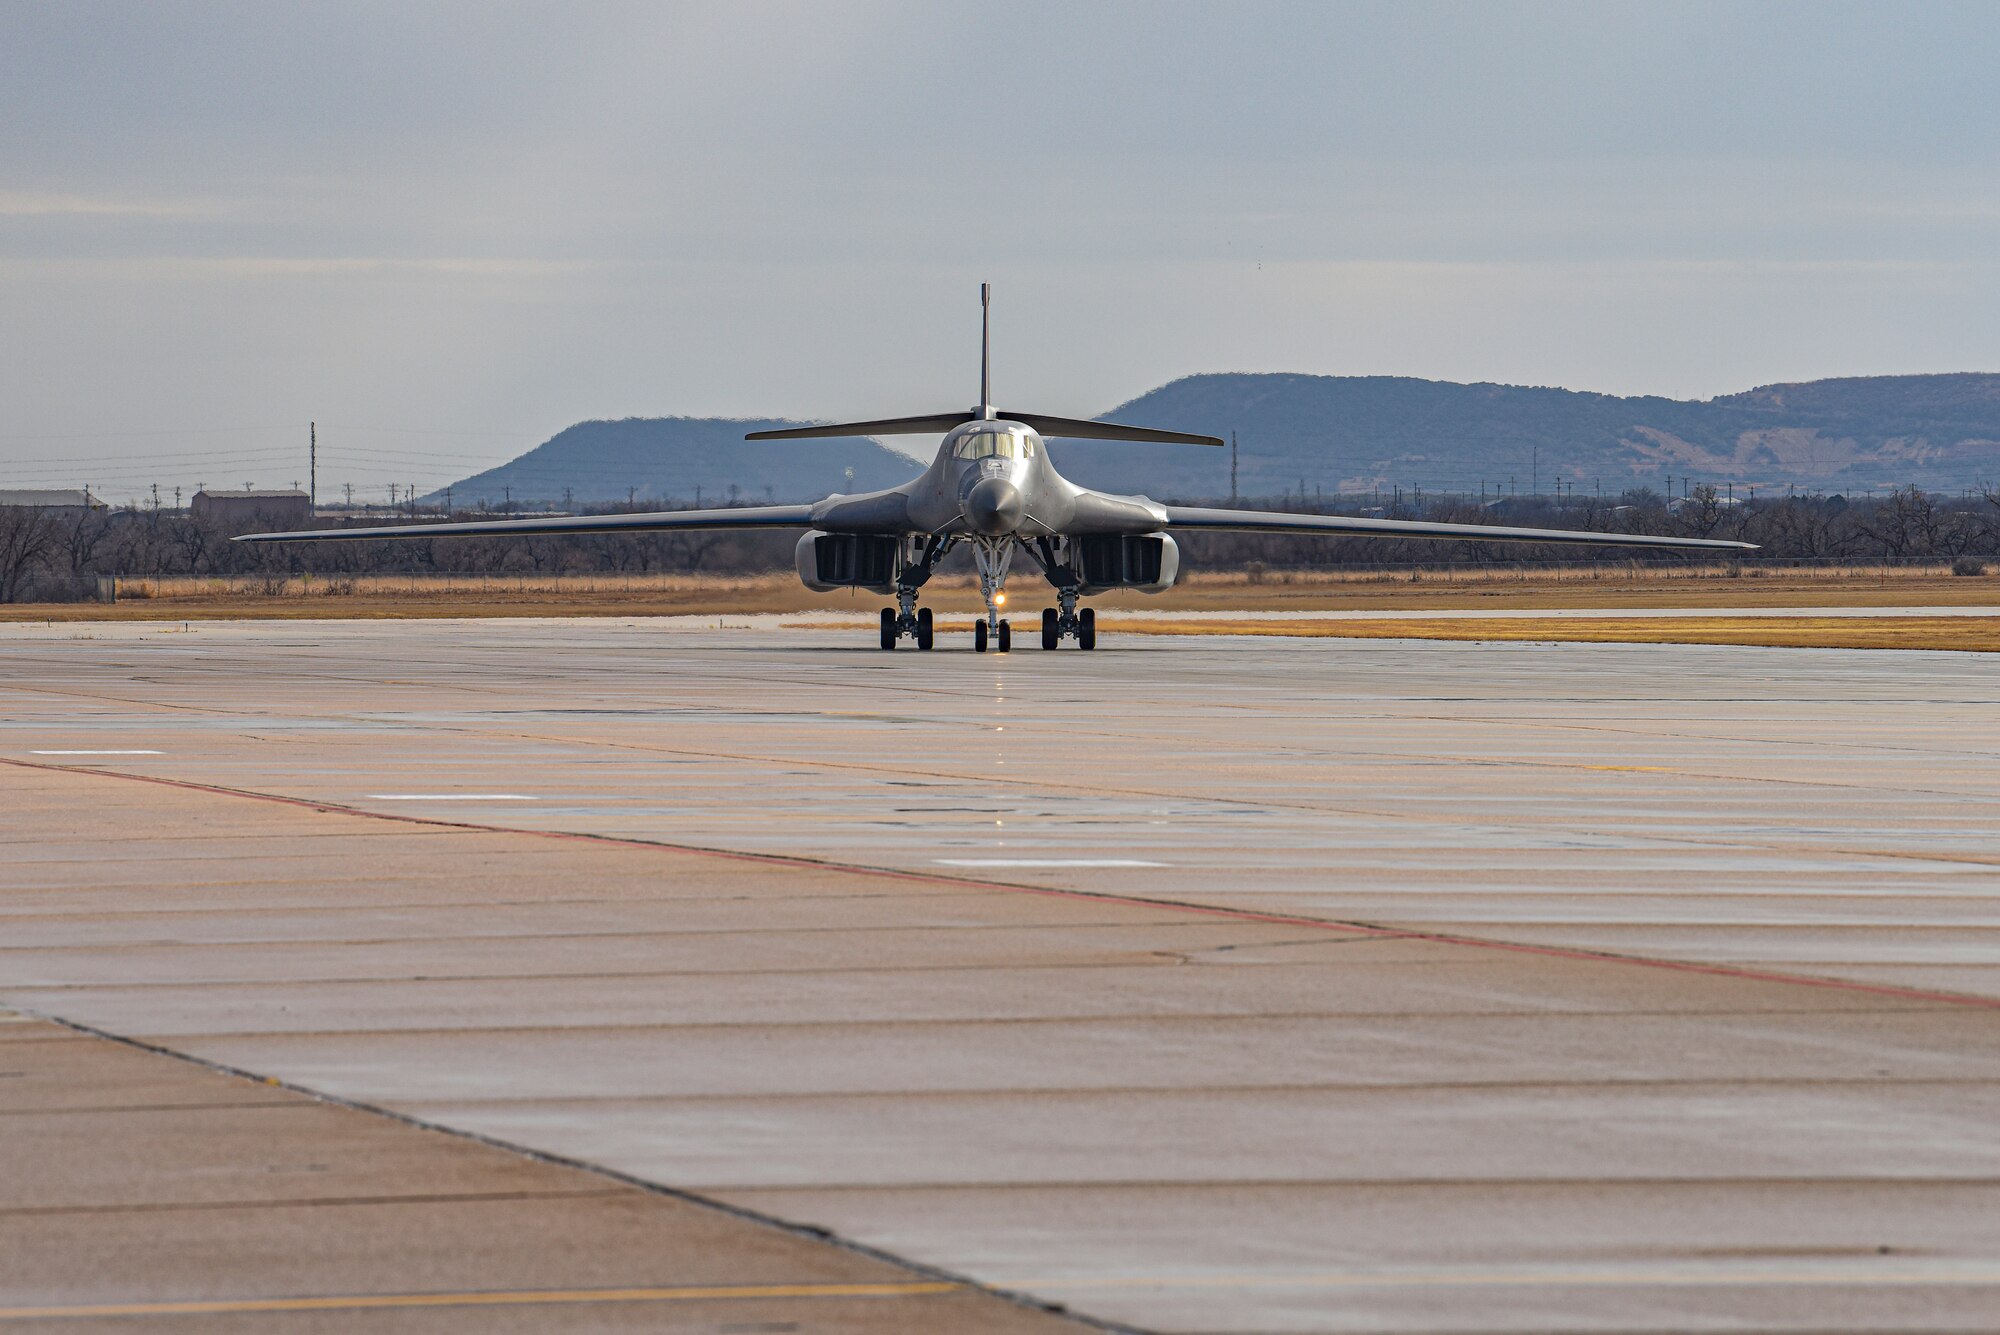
(994,506)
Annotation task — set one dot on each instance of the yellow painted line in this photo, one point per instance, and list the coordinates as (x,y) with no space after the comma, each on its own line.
(1859,1272)
(1632,769)
(514,1298)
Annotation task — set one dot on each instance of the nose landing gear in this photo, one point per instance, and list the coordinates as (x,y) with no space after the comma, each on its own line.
(991,557)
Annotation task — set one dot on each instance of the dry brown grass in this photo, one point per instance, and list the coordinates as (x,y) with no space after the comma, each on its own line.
(1606,586)
(1979,634)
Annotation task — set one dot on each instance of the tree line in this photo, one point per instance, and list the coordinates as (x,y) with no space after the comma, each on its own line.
(51,555)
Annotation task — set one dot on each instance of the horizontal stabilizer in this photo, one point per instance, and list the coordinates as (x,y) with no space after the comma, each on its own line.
(887,426)
(1079,430)
(1075,428)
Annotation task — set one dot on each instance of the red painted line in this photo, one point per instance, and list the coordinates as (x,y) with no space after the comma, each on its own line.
(1361,929)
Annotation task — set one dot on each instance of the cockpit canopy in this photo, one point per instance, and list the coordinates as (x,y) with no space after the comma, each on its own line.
(996,445)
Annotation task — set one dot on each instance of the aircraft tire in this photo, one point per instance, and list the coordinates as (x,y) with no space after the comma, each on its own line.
(924,630)
(1051,634)
(888,628)
(979,636)
(1086,628)
(1006,637)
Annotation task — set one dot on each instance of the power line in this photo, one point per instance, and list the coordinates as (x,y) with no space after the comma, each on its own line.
(163,431)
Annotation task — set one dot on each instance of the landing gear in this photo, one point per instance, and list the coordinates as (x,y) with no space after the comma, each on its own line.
(991,557)
(917,626)
(919,557)
(1071,620)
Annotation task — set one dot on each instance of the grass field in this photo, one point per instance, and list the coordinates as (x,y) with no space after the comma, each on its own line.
(1980,634)
(1609,586)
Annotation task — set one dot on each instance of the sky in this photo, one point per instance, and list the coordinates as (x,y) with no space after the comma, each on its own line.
(445,231)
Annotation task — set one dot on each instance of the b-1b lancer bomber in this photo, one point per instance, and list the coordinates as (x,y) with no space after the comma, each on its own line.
(993,488)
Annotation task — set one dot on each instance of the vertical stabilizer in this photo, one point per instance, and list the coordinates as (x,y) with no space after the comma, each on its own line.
(985,350)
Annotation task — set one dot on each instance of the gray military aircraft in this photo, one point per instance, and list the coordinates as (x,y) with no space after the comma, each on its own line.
(993,488)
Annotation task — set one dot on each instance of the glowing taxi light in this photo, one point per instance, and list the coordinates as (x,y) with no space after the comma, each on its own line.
(999,600)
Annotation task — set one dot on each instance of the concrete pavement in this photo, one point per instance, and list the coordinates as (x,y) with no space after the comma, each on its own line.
(1196,984)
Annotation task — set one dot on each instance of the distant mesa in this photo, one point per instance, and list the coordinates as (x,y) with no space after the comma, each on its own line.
(1352,433)
(677,460)
(1336,434)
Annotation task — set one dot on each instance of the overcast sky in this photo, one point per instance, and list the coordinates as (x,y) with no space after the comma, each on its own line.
(446,231)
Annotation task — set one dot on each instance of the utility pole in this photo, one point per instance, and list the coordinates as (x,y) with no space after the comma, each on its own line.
(312,466)
(567,505)
(350,494)
(1232,468)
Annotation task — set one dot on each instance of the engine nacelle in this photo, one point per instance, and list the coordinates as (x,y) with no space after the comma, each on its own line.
(1148,563)
(829,561)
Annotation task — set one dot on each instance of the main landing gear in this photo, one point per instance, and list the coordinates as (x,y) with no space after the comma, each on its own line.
(1069,620)
(918,557)
(916,625)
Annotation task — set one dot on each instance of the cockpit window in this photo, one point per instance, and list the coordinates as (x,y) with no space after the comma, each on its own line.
(995,445)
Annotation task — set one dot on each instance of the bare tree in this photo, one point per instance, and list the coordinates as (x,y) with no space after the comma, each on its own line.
(1906,525)
(27,537)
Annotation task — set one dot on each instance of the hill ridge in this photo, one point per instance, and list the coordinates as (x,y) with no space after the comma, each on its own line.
(1332,434)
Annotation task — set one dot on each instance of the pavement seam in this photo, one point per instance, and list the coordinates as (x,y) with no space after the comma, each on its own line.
(807,1232)
(305,1202)
(1087,896)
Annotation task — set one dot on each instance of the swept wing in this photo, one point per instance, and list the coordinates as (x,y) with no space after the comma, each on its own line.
(661,521)
(1189,517)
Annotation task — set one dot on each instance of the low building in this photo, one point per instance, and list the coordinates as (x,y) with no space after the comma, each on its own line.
(62,502)
(276,509)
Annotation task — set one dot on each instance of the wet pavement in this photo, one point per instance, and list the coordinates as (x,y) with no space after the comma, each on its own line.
(1210,983)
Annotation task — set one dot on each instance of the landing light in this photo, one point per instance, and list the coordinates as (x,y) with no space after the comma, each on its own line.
(999,600)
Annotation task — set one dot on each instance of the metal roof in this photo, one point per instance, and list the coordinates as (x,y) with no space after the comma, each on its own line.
(51,499)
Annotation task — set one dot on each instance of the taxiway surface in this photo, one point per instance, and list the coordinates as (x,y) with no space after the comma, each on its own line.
(1194,984)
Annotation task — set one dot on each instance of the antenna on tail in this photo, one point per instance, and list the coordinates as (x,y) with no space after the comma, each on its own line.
(985,351)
